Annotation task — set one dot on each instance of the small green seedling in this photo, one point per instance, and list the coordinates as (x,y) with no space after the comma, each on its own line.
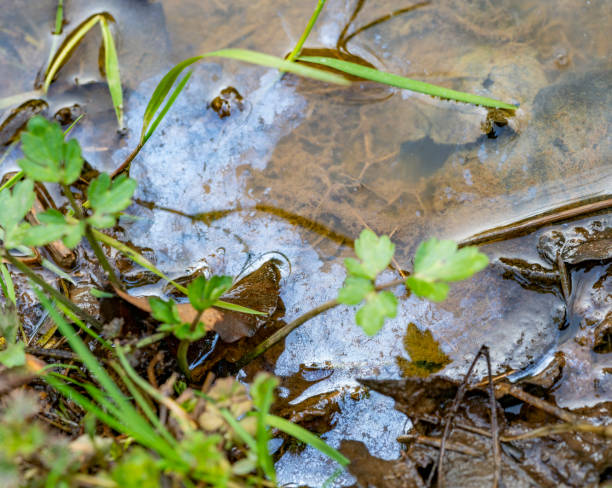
(376,254)
(14,206)
(437,263)
(202,295)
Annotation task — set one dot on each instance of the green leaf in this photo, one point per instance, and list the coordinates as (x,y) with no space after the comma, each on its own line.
(355,290)
(262,391)
(379,306)
(108,198)
(373,74)
(439,262)
(8,287)
(166,312)
(436,292)
(204,293)
(47,157)
(53,227)
(111,67)
(13,208)
(100,294)
(13,355)
(16,204)
(111,197)
(306,437)
(375,253)
(183,331)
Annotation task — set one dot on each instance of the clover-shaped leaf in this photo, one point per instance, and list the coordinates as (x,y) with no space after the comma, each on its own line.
(166,312)
(377,308)
(355,290)
(204,293)
(375,254)
(107,198)
(47,157)
(437,263)
(13,208)
(54,227)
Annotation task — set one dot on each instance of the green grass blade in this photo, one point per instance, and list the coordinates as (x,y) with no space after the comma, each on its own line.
(313,19)
(13,180)
(307,437)
(269,61)
(111,67)
(237,308)
(8,287)
(144,405)
(247,438)
(406,83)
(67,48)
(169,103)
(84,403)
(59,18)
(136,257)
(54,268)
(161,92)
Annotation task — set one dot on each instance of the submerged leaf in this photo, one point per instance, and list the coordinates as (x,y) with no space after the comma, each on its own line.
(426,356)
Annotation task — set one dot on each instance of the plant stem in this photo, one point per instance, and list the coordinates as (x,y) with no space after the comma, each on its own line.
(280,334)
(181,353)
(91,239)
(313,19)
(53,292)
(125,166)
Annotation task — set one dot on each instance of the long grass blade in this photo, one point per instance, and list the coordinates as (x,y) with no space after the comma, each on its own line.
(111,67)
(269,61)
(240,431)
(59,18)
(307,437)
(139,427)
(313,20)
(65,50)
(8,287)
(169,103)
(161,92)
(405,83)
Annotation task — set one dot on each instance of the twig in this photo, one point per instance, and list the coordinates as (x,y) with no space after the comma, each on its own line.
(532,223)
(494,427)
(516,392)
(448,420)
(436,442)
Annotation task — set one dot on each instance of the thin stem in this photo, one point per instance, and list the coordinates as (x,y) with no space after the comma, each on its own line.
(91,239)
(280,334)
(313,19)
(125,166)
(183,348)
(53,292)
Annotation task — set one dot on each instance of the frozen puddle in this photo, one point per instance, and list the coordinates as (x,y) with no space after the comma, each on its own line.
(197,162)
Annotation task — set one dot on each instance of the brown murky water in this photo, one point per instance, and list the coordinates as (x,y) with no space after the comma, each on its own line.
(299,167)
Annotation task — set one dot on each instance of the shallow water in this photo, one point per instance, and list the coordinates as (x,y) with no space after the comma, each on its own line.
(301,167)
